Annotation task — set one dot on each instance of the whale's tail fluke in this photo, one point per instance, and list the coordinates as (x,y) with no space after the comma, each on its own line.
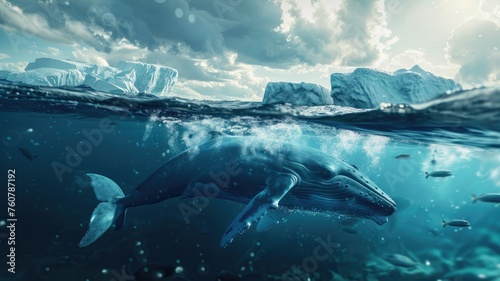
(107,212)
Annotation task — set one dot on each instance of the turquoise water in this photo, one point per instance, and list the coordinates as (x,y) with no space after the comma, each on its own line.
(53,204)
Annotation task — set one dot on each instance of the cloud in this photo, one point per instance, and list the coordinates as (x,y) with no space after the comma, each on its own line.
(411,57)
(364,34)
(14,67)
(352,33)
(49,23)
(261,32)
(3,56)
(475,46)
(490,9)
(54,51)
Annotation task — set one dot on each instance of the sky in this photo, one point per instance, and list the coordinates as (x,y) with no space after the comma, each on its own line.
(230,49)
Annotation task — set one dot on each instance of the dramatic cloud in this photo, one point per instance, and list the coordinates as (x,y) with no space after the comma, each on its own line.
(351,33)
(46,21)
(475,46)
(364,34)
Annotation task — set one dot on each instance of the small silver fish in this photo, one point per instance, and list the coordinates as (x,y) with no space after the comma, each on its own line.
(26,153)
(403,156)
(438,174)
(487,197)
(400,260)
(457,223)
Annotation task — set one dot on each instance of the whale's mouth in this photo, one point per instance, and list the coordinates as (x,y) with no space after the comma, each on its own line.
(364,198)
(379,202)
(380,220)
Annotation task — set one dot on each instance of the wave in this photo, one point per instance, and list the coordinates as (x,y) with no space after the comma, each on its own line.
(470,117)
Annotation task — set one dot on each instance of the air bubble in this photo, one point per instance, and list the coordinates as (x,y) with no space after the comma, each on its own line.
(202,269)
(179,13)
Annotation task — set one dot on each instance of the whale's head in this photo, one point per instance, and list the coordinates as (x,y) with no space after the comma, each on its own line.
(330,184)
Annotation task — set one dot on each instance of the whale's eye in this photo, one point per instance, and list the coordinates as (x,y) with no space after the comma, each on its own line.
(325,174)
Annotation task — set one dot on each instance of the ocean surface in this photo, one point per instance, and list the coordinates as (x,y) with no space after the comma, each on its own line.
(53,200)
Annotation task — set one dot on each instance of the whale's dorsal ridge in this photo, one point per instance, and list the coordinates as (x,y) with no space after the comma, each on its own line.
(267,199)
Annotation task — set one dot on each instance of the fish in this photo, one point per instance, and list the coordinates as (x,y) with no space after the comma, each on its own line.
(434,161)
(487,197)
(28,154)
(268,180)
(438,174)
(349,230)
(400,260)
(403,156)
(457,223)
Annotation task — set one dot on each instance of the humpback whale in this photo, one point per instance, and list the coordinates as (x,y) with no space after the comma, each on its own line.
(269,180)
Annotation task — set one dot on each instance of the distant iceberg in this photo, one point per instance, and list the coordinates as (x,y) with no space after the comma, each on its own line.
(127,78)
(368,88)
(364,88)
(296,94)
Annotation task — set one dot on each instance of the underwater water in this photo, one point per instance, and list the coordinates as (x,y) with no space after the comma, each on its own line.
(458,133)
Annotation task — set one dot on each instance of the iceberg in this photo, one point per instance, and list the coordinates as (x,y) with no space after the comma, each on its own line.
(368,88)
(4,74)
(296,94)
(48,77)
(126,78)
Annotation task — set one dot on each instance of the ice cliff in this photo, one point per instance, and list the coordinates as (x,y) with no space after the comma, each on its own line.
(296,94)
(364,88)
(367,88)
(126,78)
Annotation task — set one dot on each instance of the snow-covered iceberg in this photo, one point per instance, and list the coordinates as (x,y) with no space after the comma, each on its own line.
(296,94)
(127,78)
(367,88)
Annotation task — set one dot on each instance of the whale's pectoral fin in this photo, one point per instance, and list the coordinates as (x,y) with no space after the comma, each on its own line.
(270,218)
(265,200)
